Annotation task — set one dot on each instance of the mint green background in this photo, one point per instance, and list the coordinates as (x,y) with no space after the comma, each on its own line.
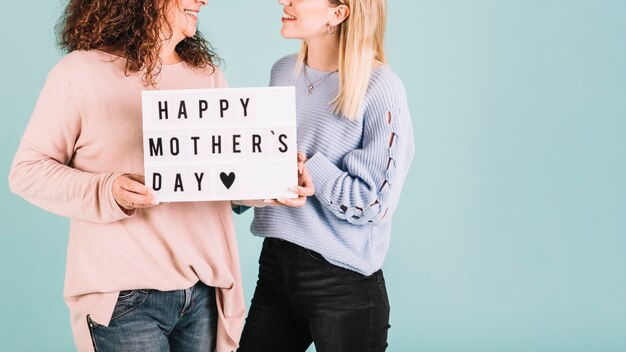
(511,233)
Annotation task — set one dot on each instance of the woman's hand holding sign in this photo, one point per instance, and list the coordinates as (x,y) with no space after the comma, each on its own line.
(305,185)
(131,193)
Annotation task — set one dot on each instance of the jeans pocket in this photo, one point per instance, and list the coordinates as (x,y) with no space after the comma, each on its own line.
(126,295)
(128,301)
(383,288)
(315,255)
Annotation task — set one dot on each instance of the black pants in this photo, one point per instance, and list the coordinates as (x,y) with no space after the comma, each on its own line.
(301,298)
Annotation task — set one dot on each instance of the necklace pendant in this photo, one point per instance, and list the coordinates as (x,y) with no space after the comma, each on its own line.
(310,89)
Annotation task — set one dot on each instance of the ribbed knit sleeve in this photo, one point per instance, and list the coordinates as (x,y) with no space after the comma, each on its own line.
(40,171)
(362,189)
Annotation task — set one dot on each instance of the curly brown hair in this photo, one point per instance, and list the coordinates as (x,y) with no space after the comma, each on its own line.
(130,28)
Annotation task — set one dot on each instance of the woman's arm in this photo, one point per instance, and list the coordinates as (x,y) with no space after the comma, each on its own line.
(367,187)
(40,172)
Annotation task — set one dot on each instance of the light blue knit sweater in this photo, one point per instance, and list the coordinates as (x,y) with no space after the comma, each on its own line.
(358,169)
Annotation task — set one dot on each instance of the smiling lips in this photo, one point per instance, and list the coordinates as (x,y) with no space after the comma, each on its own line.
(192,13)
(287,17)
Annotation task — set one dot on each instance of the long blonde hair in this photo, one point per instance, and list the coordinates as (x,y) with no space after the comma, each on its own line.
(361,47)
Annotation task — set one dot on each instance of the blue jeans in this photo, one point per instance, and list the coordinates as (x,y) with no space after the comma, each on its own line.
(301,298)
(156,321)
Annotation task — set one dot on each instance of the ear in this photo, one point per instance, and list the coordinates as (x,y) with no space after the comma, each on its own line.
(340,13)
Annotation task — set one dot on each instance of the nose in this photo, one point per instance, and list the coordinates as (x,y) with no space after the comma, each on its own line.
(284,2)
(203,2)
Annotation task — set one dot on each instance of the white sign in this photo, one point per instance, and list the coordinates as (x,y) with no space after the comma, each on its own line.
(220,144)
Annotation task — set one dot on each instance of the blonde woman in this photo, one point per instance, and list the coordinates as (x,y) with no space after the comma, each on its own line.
(319,275)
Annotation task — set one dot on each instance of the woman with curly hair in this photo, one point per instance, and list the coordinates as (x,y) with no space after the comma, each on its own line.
(139,276)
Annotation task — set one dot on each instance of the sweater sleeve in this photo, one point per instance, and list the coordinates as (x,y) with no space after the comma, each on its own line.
(366,188)
(40,172)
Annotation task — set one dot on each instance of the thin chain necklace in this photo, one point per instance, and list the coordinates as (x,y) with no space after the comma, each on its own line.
(312,85)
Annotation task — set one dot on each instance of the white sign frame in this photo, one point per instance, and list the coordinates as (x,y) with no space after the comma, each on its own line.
(220,144)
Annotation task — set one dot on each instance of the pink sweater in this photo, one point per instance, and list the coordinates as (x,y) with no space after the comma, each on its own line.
(86,130)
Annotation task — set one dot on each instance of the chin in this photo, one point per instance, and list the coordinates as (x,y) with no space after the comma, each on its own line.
(287,35)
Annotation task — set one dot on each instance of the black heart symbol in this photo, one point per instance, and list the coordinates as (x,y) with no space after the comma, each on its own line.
(227,180)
